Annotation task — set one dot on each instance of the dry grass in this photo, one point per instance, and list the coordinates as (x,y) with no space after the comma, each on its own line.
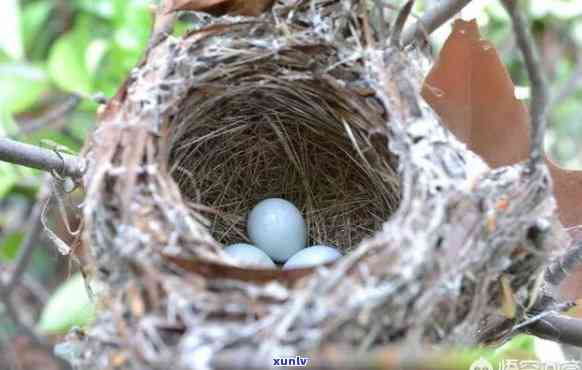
(302,140)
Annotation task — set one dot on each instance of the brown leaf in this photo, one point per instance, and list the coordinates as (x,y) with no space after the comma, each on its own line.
(220,7)
(470,89)
(568,192)
(472,92)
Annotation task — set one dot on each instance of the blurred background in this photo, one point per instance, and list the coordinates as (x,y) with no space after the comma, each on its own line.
(57,55)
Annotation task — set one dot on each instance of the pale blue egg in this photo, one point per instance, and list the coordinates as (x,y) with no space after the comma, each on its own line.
(312,256)
(249,255)
(277,227)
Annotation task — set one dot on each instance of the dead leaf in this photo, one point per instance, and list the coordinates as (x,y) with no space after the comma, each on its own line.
(472,92)
(470,89)
(568,192)
(508,303)
(220,7)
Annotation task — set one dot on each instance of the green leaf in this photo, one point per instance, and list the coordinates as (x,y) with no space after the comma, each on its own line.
(96,52)
(523,343)
(577,32)
(132,24)
(48,135)
(519,348)
(21,85)
(9,176)
(100,8)
(34,17)
(69,306)
(127,11)
(9,173)
(9,246)
(7,125)
(10,36)
(81,123)
(67,66)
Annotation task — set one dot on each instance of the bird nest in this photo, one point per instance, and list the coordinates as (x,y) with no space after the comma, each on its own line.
(306,105)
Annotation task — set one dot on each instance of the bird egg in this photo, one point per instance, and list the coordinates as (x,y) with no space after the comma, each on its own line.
(312,256)
(277,227)
(249,255)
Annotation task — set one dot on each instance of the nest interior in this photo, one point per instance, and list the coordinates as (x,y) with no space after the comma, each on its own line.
(254,133)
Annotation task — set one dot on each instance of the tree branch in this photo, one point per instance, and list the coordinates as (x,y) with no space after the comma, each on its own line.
(39,158)
(26,248)
(570,86)
(539,87)
(8,287)
(559,328)
(163,22)
(433,19)
(53,118)
(30,241)
(23,328)
(560,268)
(399,23)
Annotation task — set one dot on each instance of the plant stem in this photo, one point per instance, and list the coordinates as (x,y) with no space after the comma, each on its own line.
(40,158)
(433,18)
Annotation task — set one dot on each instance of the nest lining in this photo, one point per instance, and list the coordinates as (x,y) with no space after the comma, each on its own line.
(239,140)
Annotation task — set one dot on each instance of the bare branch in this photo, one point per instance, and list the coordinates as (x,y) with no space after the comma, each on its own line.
(433,19)
(570,86)
(399,23)
(559,269)
(54,118)
(163,22)
(8,288)
(559,328)
(22,327)
(28,244)
(539,87)
(39,158)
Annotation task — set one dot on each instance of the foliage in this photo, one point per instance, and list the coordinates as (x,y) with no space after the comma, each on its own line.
(50,49)
(69,306)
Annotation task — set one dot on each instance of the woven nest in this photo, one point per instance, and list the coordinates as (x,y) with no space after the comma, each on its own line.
(296,104)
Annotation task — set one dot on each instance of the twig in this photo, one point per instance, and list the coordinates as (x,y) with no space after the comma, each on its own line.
(28,245)
(399,23)
(559,328)
(379,23)
(539,87)
(29,332)
(433,19)
(39,158)
(52,118)
(570,86)
(163,22)
(559,269)
(23,328)
(8,288)
(40,293)
(552,325)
